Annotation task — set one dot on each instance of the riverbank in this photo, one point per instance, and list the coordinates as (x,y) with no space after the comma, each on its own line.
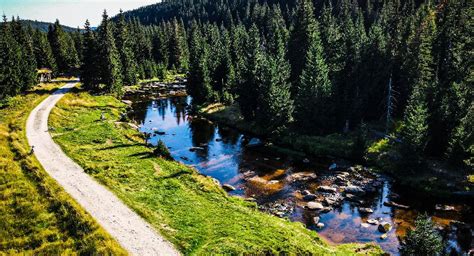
(37,216)
(189,209)
(439,180)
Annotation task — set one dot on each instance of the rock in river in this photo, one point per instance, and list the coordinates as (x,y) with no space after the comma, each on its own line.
(316,220)
(440,207)
(315,206)
(309,197)
(228,187)
(373,221)
(327,189)
(356,190)
(365,210)
(384,227)
(320,225)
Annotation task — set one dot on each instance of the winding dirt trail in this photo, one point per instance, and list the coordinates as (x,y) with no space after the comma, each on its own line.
(129,229)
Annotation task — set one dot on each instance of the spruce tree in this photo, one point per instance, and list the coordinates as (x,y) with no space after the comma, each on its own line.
(28,61)
(300,36)
(90,75)
(314,109)
(247,87)
(415,130)
(63,48)
(109,58)
(43,52)
(199,81)
(10,62)
(123,41)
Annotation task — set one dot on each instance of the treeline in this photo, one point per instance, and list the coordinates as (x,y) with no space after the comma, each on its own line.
(123,52)
(332,69)
(24,50)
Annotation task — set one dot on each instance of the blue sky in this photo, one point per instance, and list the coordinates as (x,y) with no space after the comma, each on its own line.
(69,12)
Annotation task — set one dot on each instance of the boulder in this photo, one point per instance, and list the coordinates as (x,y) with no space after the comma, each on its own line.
(446,208)
(327,189)
(384,227)
(356,190)
(320,225)
(373,221)
(316,220)
(330,201)
(315,206)
(364,225)
(365,210)
(309,197)
(306,161)
(228,187)
(383,236)
(326,209)
(305,192)
(393,204)
(301,176)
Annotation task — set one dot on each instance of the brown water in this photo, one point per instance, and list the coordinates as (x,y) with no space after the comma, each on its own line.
(272,180)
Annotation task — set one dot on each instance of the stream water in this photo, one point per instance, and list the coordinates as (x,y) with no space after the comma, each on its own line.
(277,182)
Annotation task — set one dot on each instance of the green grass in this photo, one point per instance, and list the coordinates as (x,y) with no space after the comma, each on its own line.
(36,215)
(189,209)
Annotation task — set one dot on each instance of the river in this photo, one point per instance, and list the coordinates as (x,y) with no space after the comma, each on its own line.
(278,182)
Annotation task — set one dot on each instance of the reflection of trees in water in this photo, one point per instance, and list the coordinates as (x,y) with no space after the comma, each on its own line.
(139,111)
(202,132)
(229,136)
(162,106)
(179,104)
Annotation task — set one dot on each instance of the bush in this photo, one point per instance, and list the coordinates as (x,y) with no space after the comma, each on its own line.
(424,240)
(162,150)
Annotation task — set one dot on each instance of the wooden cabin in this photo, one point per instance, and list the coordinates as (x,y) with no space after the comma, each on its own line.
(44,75)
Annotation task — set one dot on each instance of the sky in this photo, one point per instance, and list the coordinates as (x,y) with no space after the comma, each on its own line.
(71,13)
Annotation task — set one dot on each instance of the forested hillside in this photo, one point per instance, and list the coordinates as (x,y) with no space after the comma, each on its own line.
(310,67)
(44,26)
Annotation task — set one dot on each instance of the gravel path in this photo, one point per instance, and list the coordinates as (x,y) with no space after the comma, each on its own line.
(130,230)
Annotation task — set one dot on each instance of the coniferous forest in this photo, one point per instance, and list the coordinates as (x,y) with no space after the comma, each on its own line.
(358,109)
(313,67)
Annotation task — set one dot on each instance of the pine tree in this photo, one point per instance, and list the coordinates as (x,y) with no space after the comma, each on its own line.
(90,75)
(275,104)
(109,58)
(199,81)
(178,47)
(314,111)
(300,37)
(63,48)
(10,62)
(415,131)
(247,87)
(28,60)
(43,52)
(129,66)
(424,240)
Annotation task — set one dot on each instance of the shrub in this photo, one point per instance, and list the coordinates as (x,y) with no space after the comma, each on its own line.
(162,150)
(424,240)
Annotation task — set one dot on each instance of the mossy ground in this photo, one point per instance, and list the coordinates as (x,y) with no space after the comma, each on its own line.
(37,217)
(189,209)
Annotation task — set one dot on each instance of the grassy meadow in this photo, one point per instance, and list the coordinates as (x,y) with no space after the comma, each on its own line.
(191,210)
(37,217)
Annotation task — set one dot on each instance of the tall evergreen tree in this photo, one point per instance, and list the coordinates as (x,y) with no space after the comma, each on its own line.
(415,131)
(247,88)
(28,60)
(199,81)
(109,58)
(10,62)
(90,75)
(313,112)
(43,52)
(299,43)
(123,41)
(63,48)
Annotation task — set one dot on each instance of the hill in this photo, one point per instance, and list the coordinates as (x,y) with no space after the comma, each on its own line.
(43,26)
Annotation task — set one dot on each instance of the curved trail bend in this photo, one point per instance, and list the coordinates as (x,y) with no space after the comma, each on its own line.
(129,229)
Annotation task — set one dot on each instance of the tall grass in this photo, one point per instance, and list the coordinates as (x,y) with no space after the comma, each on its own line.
(36,215)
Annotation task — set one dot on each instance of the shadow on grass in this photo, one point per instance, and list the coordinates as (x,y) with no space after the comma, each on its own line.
(174,175)
(143,155)
(121,146)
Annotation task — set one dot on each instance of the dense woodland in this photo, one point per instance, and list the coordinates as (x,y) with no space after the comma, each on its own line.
(311,67)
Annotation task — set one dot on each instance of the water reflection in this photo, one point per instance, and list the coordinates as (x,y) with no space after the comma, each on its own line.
(267,177)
